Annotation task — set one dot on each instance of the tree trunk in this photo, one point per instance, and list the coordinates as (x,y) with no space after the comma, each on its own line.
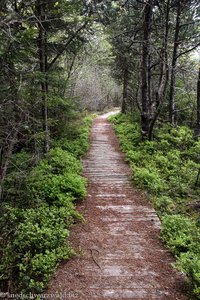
(7,149)
(197,128)
(125,90)
(6,154)
(42,51)
(161,92)
(173,67)
(146,101)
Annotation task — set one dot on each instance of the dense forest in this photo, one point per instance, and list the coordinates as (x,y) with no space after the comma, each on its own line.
(62,61)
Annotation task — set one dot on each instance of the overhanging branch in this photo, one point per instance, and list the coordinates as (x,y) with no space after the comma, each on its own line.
(66,45)
(188,50)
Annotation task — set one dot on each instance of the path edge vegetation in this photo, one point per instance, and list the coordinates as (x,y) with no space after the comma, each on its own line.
(34,239)
(166,170)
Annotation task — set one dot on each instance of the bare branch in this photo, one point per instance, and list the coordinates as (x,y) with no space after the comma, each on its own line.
(66,45)
(188,50)
(189,23)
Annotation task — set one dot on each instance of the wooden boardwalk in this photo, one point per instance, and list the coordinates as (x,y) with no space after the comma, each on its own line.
(122,256)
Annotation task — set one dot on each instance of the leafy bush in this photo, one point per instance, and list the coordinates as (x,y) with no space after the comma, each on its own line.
(54,188)
(36,243)
(167,167)
(183,238)
(62,161)
(34,240)
(178,232)
(78,142)
(22,160)
(189,263)
(56,179)
(77,147)
(164,204)
(128,131)
(179,137)
(149,179)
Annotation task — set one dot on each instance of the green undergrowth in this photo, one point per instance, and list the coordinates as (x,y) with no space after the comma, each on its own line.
(167,169)
(39,211)
(75,140)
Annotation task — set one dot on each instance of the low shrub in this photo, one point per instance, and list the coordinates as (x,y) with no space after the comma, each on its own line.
(62,161)
(189,263)
(183,238)
(38,213)
(178,232)
(56,189)
(78,143)
(148,178)
(34,241)
(168,168)
(164,204)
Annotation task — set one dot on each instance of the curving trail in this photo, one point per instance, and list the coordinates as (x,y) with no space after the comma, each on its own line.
(123,256)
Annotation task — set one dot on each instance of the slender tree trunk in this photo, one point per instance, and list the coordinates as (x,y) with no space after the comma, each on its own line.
(149,84)
(71,67)
(173,67)
(125,90)
(15,121)
(6,156)
(7,150)
(164,74)
(42,51)
(197,128)
(146,101)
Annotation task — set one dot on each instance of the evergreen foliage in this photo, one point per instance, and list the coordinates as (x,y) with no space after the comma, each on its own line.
(59,59)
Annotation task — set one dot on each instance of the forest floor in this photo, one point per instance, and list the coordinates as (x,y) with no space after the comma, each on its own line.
(121,253)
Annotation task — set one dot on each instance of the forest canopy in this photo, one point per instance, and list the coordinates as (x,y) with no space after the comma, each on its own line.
(59,62)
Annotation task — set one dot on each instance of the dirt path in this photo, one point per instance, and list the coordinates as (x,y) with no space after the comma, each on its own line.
(123,256)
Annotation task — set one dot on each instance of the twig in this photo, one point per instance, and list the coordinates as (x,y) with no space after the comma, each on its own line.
(197,180)
(93,258)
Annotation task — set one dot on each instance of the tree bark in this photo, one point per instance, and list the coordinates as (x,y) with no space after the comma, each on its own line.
(6,155)
(146,101)
(42,51)
(173,66)
(11,139)
(125,90)
(161,92)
